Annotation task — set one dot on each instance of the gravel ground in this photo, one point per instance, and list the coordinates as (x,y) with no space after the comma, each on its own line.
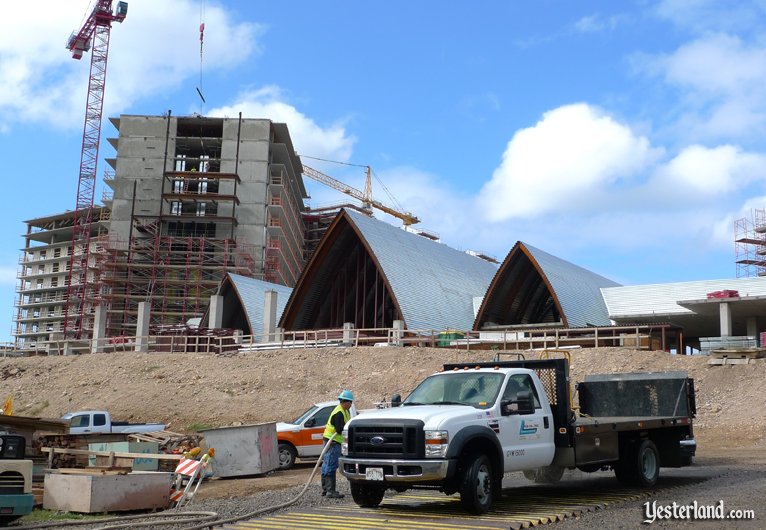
(738,479)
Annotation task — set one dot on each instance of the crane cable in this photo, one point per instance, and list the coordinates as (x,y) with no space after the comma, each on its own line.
(333,161)
(201,42)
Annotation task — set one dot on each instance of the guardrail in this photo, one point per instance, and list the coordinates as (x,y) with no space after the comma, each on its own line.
(635,336)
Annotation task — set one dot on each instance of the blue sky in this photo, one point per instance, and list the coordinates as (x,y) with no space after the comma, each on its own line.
(625,137)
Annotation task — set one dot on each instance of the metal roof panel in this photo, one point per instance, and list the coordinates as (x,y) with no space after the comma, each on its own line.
(434,284)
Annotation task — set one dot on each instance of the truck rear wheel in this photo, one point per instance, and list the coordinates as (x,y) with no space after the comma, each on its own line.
(477,490)
(367,495)
(640,466)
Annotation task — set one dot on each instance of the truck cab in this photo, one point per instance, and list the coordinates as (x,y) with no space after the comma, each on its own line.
(101,422)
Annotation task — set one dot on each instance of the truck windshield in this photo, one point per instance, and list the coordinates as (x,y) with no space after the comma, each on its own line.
(305,415)
(476,389)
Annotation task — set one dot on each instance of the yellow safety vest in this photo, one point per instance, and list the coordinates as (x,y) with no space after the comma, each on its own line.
(329,430)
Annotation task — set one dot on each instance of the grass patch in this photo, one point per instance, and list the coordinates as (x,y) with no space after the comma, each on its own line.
(40,515)
(196,427)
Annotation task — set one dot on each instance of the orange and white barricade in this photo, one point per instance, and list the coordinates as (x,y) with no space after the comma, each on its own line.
(189,474)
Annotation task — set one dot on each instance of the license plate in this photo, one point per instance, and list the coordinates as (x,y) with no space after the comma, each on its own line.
(374,473)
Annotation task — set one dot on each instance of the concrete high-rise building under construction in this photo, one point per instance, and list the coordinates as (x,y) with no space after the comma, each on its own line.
(191,199)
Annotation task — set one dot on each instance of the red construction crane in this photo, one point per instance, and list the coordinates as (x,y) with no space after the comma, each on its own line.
(95,32)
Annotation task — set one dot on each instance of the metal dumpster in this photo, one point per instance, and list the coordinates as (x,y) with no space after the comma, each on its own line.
(244,449)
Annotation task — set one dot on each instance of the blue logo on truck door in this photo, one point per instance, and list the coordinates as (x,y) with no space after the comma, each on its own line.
(529,427)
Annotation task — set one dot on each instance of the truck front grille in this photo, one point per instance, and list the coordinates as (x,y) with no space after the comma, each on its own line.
(11,482)
(400,439)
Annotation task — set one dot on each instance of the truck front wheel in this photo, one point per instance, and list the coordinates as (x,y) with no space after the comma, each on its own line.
(366,495)
(287,455)
(477,489)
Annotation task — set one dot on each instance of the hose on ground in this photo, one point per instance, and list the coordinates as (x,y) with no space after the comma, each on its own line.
(269,508)
(206,519)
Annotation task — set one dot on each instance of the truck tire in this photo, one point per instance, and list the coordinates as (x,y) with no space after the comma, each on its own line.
(477,489)
(367,495)
(639,466)
(287,455)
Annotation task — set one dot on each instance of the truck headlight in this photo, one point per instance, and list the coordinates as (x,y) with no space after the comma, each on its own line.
(344,445)
(436,444)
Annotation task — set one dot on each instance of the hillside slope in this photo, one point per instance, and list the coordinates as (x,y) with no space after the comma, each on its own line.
(186,390)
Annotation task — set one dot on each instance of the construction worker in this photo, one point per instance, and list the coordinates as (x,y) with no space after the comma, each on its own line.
(333,436)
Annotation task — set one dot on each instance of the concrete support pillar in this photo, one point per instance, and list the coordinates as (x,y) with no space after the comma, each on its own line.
(269,315)
(68,347)
(215,315)
(348,334)
(279,334)
(397,333)
(98,341)
(752,327)
(725,313)
(142,327)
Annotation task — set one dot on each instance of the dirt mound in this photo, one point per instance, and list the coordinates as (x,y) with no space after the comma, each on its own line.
(191,390)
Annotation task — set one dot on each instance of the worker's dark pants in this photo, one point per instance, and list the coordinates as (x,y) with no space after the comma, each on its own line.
(330,464)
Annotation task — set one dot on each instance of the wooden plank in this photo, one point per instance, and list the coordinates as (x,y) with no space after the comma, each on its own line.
(116,454)
(92,471)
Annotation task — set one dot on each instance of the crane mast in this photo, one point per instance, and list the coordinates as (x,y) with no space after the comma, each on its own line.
(94,33)
(368,203)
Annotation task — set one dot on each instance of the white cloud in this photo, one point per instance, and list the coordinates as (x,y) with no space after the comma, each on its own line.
(154,49)
(737,66)
(720,77)
(309,138)
(739,222)
(596,23)
(571,152)
(706,15)
(712,171)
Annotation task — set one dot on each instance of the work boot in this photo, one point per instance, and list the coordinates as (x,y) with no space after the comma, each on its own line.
(332,493)
(324,485)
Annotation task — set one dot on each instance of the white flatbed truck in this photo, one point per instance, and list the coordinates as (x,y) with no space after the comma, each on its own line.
(462,428)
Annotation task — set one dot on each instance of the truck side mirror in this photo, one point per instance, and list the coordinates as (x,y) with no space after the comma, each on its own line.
(523,404)
(396,400)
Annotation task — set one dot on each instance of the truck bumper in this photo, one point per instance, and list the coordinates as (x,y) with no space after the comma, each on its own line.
(688,448)
(16,505)
(415,471)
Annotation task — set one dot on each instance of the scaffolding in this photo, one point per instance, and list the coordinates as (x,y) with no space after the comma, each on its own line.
(750,244)
(176,275)
(284,256)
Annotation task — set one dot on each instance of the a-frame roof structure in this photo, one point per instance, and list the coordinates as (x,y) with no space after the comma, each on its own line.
(534,287)
(368,272)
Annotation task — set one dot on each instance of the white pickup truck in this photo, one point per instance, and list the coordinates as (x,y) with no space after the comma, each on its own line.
(462,428)
(100,422)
